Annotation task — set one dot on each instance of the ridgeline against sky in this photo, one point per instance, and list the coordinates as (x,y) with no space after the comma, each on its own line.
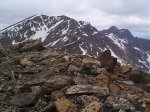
(131,14)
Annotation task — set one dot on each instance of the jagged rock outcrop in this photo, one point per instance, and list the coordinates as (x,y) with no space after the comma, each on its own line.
(29,45)
(107,60)
(49,80)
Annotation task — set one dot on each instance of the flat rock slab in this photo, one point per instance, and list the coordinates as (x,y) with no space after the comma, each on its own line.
(79,89)
(24,100)
(87,89)
(58,82)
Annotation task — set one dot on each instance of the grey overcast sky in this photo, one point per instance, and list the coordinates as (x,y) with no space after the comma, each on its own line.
(131,14)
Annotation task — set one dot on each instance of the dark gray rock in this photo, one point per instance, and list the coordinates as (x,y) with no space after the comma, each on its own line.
(147,88)
(137,76)
(24,100)
(107,61)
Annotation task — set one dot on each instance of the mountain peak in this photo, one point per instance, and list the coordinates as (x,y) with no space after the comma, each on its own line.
(64,17)
(123,33)
(113,28)
(126,32)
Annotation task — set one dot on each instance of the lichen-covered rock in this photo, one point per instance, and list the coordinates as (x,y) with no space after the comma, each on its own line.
(114,89)
(87,99)
(24,62)
(79,89)
(117,103)
(101,80)
(90,66)
(58,82)
(93,107)
(85,80)
(101,91)
(88,89)
(57,95)
(67,58)
(64,105)
(88,62)
(73,68)
(137,102)
(125,68)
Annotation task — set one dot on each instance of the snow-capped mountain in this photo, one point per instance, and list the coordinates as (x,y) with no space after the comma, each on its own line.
(80,37)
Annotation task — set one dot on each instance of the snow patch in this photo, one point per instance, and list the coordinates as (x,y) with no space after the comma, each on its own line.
(148,57)
(65,39)
(100,49)
(55,25)
(97,53)
(116,40)
(48,44)
(84,52)
(55,42)
(80,25)
(85,34)
(65,30)
(78,38)
(91,46)
(95,32)
(143,62)
(137,48)
(70,43)
(13,42)
(40,34)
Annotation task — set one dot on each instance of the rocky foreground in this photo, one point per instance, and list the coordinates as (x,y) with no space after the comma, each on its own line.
(36,79)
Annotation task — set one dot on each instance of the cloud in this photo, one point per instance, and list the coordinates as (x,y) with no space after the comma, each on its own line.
(132,14)
(124,7)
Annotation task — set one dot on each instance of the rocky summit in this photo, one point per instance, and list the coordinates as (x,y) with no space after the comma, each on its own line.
(38,79)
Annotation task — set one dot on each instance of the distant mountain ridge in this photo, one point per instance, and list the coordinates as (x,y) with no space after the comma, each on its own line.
(79,37)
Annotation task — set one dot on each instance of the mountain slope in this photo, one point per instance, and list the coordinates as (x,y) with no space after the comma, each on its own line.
(79,37)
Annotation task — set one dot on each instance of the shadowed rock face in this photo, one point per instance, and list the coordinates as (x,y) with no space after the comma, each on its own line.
(79,37)
(139,77)
(107,60)
(29,45)
(51,80)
